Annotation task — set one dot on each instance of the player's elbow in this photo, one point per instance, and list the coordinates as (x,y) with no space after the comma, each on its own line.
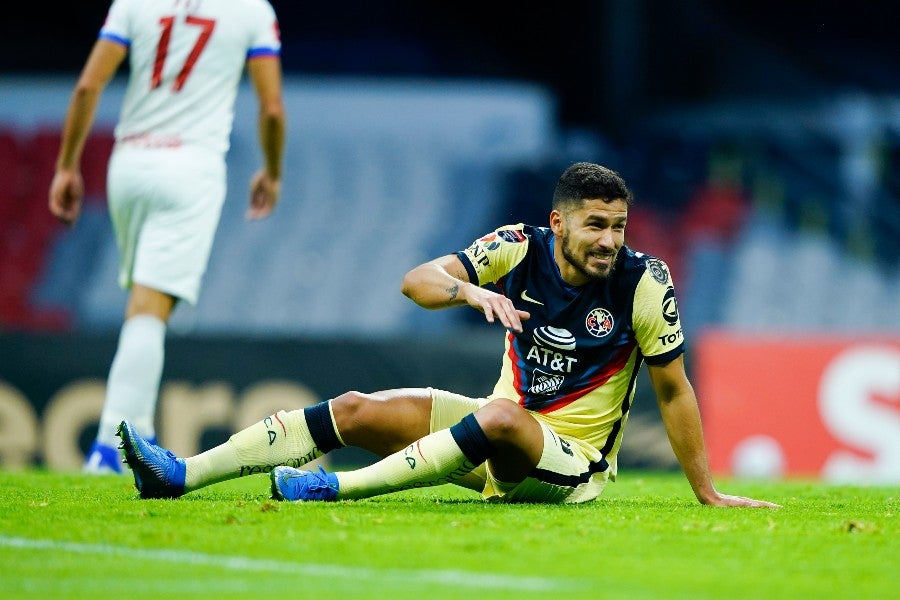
(408,285)
(272,112)
(413,287)
(86,90)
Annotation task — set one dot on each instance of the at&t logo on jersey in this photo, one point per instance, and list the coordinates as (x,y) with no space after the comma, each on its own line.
(554,337)
(548,341)
(599,322)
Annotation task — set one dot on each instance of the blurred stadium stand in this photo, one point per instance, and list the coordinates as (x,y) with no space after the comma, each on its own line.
(787,218)
(764,153)
(379,177)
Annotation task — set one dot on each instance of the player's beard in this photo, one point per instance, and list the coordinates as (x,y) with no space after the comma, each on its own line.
(580,263)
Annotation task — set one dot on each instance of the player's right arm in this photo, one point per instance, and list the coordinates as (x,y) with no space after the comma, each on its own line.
(265,188)
(444,282)
(67,188)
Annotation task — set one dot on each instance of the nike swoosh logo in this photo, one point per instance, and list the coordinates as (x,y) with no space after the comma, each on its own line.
(527,298)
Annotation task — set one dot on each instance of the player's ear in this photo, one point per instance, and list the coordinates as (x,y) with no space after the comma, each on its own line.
(556,222)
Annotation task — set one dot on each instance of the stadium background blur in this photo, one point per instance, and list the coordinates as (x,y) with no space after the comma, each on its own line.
(762,142)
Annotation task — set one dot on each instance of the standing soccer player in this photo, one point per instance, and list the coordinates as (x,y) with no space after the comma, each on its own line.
(582,312)
(167,175)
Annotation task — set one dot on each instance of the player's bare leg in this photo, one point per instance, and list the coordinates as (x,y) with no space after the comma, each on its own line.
(145,300)
(383,422)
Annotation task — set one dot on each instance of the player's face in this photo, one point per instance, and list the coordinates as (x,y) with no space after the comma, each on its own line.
(588,239)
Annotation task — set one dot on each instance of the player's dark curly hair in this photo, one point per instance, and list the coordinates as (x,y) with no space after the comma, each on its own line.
(586,181)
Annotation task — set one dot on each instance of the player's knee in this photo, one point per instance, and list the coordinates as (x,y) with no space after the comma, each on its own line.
(144,300)
(501,420)
(348,404)
(351,410)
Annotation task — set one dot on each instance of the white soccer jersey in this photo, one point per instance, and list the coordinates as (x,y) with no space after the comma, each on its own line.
(187,58)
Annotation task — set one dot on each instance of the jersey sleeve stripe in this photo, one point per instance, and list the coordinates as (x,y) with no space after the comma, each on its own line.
(661,359)
(260,52)
(104,35)
(470,270)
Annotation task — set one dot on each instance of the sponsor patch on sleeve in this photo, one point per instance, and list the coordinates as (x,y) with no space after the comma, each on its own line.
(512,235)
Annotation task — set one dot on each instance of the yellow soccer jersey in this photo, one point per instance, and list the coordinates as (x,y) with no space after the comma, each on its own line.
(575,364)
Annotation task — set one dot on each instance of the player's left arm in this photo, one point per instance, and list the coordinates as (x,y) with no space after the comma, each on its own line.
(681,417)
(265,187)
(67,188)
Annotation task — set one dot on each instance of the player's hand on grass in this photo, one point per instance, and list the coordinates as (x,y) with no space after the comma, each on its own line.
(66,193)
(740,501)
(496,306)
(264,193)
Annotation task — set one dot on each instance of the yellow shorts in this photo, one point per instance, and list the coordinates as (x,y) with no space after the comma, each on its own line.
(563,474)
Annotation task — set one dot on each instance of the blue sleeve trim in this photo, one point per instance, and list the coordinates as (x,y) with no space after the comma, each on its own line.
(470,270)
(661,359)
(115,38)
(259,52)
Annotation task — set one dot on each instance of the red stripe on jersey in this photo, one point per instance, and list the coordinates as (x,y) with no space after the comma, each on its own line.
(515,360)
(616,363)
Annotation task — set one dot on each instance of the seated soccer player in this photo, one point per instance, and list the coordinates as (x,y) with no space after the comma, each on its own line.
(582,313)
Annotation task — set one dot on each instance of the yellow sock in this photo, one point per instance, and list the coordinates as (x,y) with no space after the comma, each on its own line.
(433,460)
(279,439)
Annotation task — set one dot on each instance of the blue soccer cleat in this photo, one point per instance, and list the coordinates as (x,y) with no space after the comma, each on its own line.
(103,460)
(293,484)
(157,472)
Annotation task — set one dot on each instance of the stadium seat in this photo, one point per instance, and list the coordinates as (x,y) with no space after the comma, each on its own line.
(94,161)
(28,230)
(10,178)
(69,259)
(716,212)
(648,232)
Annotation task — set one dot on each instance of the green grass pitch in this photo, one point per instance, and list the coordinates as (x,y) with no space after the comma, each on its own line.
(78,536)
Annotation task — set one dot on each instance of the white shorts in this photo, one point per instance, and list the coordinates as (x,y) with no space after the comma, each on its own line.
(563,474)
(165,205)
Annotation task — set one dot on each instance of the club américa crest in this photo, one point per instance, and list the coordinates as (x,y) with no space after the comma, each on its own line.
(599,322)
